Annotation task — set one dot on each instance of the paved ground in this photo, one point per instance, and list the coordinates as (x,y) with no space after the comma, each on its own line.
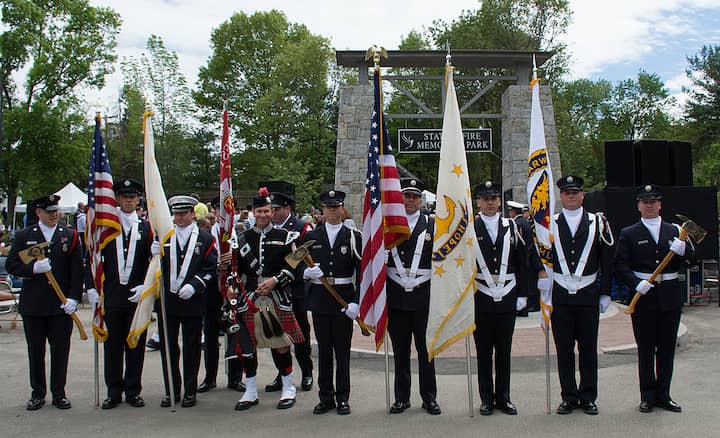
(697,376)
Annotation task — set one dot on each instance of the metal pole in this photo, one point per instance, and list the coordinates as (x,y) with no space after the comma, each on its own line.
(97,373)
(164,340)
(547,367)
(387,375)
(469,377)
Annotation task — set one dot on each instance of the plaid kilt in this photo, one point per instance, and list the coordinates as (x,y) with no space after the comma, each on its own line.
(287,321)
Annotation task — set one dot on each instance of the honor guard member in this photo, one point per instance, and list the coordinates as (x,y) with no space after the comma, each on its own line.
(189,265)
(260,256)
(408,301)
(583,254)
(336,252)
(125,262)
(640,249)
(283,217)
(502,291)
(211,327)
(45,319)
(515,212)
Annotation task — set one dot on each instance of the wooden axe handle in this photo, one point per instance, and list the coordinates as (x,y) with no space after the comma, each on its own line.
(329,287)
(61,296)
(661,267)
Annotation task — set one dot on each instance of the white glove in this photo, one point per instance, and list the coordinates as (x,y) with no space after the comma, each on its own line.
(42,266)
(93,297)
(70,306)
(643,287)
(352,311)
(604,303)
(544,285)
(137,291)
(313,273)
(186,292)
(678,246)
(155,248)
(521,303)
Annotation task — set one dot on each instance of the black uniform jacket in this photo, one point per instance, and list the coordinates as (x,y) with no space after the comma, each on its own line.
(294,224)
(116,294)
(277,243)
(38,297)
(419,297)
(201,272)
(600,258)
(637,251)
(517,264)
(340,261)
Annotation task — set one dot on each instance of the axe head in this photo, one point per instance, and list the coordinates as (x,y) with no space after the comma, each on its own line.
(35,252)
(294,258)
(694,231)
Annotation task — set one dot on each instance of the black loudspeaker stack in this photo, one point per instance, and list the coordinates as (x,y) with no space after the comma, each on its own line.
(631,164)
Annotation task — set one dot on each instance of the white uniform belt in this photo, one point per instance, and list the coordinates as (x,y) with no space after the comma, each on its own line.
(500,290)
(659,279)
(334,280)
(409,283)
(573,283)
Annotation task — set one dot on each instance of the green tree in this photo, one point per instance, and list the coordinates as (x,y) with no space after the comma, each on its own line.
(275,76)
(57,47)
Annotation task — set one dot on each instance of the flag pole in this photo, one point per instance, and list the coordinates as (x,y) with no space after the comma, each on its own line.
(546,328)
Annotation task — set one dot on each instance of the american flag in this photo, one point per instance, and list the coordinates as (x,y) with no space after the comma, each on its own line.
(385,223)
(103,222)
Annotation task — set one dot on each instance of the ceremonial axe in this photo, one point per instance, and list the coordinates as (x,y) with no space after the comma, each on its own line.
(688,229)
(36,252)
(302,254)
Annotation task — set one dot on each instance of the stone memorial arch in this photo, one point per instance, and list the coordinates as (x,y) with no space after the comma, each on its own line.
(356,103)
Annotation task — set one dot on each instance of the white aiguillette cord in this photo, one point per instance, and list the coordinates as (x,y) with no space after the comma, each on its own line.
(125,265)
(177,279)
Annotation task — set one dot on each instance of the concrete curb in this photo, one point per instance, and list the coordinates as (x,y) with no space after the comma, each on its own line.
(682,338)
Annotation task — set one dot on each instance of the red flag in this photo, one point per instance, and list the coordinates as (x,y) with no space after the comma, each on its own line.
(103,222)
(385,223)
(226,212)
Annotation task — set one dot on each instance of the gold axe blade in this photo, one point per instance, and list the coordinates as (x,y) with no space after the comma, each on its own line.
(694,231)
(296,257)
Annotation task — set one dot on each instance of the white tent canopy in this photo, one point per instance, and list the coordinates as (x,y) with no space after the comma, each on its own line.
(70,195)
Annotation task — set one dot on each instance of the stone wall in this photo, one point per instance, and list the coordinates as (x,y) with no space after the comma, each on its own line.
(516,104)
(356,103)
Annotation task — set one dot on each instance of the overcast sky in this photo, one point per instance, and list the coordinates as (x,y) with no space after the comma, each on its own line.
(609,39)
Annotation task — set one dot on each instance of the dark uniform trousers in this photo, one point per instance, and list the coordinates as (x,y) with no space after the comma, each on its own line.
(575,317)
(333,330)
(187,313)
(43,320)
(657,315)
(408,313)
(123,365)
(495,321)
(211,329)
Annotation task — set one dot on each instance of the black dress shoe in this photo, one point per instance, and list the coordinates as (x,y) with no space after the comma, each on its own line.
(245,405)
(645,406)
(188,401)
(62,403)
(566,407)
(205,386)
(286,403)
(275,385)
(323,407)
(522,313)
(508,408)
(34,404)
(236,385)
(399,407)
(669,405)
(432,408)
(165,403)
(109,403)
(306,383)
(590,408)
(135,401)
(343,408)
(486,409)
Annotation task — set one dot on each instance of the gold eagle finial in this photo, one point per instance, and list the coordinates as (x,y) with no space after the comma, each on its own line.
(375,53)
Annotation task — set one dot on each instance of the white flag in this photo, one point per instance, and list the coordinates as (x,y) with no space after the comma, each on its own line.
(452,285)
(162,225)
